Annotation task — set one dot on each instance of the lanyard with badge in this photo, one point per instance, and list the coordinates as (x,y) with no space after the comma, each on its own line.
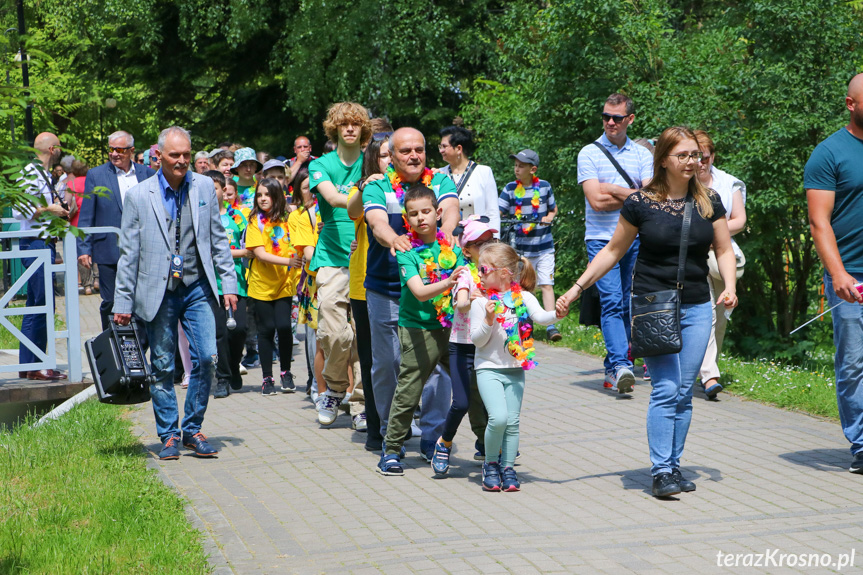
(177,258)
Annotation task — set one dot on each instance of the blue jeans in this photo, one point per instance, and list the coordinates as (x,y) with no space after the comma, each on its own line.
(193,307)
(672,376)
(848,363)
(386,357)
(614,288)
(34,326)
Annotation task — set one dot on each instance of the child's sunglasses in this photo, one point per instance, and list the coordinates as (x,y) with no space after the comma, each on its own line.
(486,270)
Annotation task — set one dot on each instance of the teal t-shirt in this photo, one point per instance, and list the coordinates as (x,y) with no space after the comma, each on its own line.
(334,242)
(836,165)
(382,273)
(412,312)
(235,224)
(245,194)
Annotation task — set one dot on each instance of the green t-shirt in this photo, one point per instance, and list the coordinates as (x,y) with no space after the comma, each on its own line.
(245,194)
(235,226)
(334,243)
(412,312)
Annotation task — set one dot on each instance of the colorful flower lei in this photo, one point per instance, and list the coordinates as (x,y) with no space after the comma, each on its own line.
(446,262)
(235,214)
(275,232)
(518,331)
(474,273)
(534,202)
(396,182)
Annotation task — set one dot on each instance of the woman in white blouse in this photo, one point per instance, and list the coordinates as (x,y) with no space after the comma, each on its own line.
(732,192)
(477,190)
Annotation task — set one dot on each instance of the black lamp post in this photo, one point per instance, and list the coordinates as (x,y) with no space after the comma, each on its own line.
(25,75)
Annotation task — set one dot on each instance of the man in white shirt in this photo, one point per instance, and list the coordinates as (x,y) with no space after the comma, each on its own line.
(104,192)
(36,178)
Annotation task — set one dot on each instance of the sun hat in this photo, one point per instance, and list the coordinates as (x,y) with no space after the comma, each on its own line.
(472,229)
(527,156)
(245,155)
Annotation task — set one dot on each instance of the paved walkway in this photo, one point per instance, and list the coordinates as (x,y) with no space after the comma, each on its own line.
(287,496)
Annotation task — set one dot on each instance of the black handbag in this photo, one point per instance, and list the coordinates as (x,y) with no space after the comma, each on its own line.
(656,315)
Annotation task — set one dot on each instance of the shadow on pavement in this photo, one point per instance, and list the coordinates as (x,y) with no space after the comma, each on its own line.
(820,459)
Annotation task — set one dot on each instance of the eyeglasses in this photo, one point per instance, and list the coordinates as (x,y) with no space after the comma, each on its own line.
(706,159)
(443,146)
(478,243)
(116,150)
(684,158)
(616,117)
(486,270)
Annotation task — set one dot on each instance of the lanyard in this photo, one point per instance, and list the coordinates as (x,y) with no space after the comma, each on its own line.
(179,196)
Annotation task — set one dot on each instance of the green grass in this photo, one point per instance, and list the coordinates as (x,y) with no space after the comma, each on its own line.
(9,341)
(76,497)
(809,389)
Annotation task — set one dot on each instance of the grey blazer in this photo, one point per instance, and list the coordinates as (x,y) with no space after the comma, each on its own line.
(145,248)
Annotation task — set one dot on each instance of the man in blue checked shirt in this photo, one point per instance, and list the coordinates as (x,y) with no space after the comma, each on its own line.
(610,169)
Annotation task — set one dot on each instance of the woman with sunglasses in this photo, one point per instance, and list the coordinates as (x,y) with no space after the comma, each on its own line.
(477,190)
(655,215)
(732,192)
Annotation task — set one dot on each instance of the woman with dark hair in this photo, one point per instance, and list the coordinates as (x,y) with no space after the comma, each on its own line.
(375,161)
(273,275)
(477,190)
(655,215)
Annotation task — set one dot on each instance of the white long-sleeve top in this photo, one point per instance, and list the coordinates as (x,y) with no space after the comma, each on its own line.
(490,340)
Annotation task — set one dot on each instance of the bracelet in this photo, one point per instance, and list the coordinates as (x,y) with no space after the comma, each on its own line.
(580,287)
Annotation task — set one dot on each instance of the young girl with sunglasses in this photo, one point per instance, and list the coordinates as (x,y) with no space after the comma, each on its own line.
(475,233)
(501,332)
(273,277)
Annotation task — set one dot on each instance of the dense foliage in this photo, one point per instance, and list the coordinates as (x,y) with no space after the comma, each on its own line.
(765,78)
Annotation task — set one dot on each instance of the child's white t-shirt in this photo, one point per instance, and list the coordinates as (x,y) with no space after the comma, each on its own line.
(490,340)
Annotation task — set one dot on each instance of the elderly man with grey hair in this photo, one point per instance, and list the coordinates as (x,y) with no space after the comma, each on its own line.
(105,187)
(171,248)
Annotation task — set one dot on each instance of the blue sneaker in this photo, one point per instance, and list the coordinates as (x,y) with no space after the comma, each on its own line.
(198,443)
(251,361)
(490,477)
(390,465)
(510,480)
(480,451)
(440,458)
(426,450)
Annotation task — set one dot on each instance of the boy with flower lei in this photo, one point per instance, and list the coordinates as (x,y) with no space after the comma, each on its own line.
(427,272)
(531,199)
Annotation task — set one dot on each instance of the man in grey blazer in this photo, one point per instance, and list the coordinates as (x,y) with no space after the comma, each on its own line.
(171,246)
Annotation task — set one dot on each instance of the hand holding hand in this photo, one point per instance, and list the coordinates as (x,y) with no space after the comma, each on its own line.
(85,261)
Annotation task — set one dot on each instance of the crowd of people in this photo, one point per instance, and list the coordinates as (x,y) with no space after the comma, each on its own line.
(414,314)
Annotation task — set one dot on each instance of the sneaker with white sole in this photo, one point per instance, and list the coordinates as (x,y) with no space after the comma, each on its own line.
(243,370)
(440,459)
(287,382)
(329,407)
(390,465)
(623,379)
(646,376)
(359,423)
(268,387)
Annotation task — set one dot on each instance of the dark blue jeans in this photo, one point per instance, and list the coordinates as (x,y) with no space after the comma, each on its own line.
(614,288)
(34,325)
(193,307)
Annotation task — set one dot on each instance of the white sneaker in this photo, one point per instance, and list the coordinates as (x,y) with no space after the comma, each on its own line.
(623,379)
(359,423)
(329,407)
(185,383)
(243,370)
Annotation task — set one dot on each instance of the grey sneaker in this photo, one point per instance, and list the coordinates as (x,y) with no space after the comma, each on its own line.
(329,407)
(268,387)
(359,423)
(623,379)
(287,380)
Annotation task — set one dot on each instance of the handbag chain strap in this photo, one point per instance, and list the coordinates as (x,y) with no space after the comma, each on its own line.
(684,240)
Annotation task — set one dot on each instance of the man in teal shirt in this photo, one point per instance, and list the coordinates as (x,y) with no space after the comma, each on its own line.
(331,177)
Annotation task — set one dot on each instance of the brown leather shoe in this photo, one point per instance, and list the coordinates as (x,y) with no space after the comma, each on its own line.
(56,374)
(23,374)
(43,375)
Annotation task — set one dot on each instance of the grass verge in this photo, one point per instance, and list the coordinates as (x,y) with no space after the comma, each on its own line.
(809,389)
(76,496)
(9,341)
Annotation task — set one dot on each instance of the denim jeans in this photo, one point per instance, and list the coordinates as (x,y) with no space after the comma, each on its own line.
(672,376)
(614,288)
(386,356)
(34,326)
(193,307)
(848,363)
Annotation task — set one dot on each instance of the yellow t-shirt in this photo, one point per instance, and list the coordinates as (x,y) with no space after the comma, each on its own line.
(303,233)
(357,267)
(269,282)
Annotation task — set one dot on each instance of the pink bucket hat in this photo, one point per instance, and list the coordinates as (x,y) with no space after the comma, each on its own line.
(472,228)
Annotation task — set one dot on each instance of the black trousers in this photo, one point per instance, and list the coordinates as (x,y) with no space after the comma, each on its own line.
(230,342)
(274,317)
(360,311)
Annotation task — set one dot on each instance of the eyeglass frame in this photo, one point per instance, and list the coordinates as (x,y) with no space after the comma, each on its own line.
(697,156)
(120,149)
(606,117)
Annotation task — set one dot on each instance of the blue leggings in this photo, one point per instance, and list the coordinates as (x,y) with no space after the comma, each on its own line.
(502,391)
